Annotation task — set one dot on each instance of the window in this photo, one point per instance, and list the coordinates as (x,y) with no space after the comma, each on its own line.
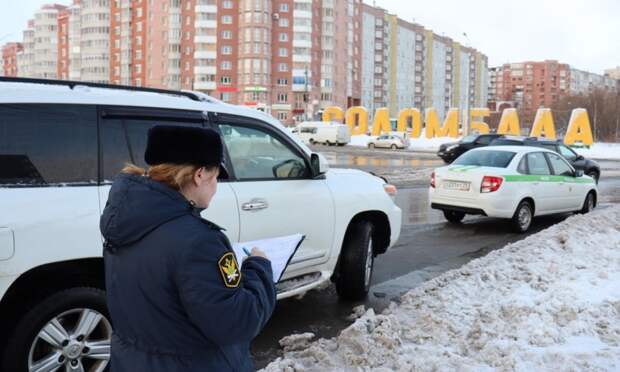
(258,155)
(227,4)
(283,52)
(226,80)
(227,34)
(486,158)
(284,8)
(569,154)
(226,65)
(537,164)
(123,140)
(48,144)
(283,36)
(226,50)
(283,22)
(559,165)
(283,67)
(522,168)
(227,20)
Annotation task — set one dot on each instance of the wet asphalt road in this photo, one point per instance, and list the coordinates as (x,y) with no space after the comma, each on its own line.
(428,246)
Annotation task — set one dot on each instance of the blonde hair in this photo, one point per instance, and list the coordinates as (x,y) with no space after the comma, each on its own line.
(176,176)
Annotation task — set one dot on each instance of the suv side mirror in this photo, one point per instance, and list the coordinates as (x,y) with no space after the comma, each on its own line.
(579,157)
(578,173)
(318,165)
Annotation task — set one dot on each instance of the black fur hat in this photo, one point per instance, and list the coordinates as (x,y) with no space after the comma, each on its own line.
(185,145)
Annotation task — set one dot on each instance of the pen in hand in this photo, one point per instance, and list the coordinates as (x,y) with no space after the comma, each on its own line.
(247,253)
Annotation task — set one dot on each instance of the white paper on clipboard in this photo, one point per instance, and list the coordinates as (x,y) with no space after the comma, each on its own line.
(279,251)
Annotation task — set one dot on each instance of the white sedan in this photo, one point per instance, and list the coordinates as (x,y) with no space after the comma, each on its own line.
(512,182)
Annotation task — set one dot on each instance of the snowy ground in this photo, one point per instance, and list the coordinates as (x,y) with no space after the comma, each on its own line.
(549,302)
(597,151)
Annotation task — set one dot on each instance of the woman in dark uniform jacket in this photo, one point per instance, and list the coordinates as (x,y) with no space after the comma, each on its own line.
(177,297)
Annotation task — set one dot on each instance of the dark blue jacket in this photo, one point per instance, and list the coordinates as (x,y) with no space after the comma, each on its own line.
(171,307)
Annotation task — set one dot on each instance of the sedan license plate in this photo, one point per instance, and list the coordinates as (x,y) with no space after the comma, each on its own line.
(456,185)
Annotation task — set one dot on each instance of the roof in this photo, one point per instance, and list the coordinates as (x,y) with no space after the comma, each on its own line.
(63,92)
(516,149)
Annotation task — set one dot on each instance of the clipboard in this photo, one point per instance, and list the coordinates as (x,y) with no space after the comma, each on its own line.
(279,251)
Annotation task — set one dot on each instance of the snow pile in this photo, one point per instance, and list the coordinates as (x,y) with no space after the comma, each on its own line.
(416,144)
(601,151)
(548,302)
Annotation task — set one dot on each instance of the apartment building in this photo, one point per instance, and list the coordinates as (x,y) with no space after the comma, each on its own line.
(584,82)
(531,85)
(9,58)
(406,65)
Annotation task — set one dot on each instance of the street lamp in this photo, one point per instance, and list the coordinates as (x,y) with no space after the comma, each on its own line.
(466,111)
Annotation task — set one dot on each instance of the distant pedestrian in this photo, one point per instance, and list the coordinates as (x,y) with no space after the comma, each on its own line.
(177,297)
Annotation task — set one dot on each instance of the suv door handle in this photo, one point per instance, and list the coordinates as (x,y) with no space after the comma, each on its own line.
(255,205)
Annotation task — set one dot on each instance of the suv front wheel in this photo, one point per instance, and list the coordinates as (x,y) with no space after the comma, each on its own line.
(356,262)
(69,330)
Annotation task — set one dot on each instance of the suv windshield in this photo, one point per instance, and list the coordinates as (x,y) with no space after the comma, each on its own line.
(486,158)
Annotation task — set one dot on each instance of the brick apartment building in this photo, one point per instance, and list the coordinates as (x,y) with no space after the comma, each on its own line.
(531,85)
(9,58)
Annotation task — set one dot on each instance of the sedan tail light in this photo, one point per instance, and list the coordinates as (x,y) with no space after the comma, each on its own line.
(490,184)
(433,180)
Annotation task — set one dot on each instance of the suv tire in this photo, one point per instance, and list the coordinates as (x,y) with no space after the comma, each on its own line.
(522,219)
(371,145)
(454,216)
(356,262)
(63,306)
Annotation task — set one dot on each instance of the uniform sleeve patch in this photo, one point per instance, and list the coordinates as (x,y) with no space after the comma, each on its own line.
(229,270)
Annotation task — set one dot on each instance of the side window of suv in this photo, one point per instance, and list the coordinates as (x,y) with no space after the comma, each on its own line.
(567,153)
(45,144)
(256,154)
(537,164)
(123,141)
(484,140)
(559,165)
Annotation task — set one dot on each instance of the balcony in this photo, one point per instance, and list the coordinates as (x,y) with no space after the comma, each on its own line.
(204,85)
(205,70)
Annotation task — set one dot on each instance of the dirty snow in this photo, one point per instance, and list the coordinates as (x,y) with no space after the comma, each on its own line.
(549,302)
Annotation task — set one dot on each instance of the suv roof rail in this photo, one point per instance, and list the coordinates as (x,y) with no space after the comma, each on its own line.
(72,84)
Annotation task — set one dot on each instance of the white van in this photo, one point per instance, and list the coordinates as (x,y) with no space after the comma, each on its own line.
(61,145)
(313,132)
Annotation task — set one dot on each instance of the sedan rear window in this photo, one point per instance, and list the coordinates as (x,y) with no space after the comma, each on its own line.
(486,158)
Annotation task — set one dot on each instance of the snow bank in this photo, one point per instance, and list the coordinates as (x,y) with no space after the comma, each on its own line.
(548,302)
(597,151)
(415,144)
(601,151)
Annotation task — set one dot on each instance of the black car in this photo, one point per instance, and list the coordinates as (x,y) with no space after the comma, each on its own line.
(589,167)
(450,151)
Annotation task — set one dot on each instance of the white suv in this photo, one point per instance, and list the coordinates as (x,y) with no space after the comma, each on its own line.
(62,143)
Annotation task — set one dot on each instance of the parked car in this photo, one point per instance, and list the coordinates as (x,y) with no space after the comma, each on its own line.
(388,141)
(313,132)
(61,145)
(448,152)
(512,182)
(589,167)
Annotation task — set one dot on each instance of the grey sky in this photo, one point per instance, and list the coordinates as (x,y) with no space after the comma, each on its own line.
(583,33)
